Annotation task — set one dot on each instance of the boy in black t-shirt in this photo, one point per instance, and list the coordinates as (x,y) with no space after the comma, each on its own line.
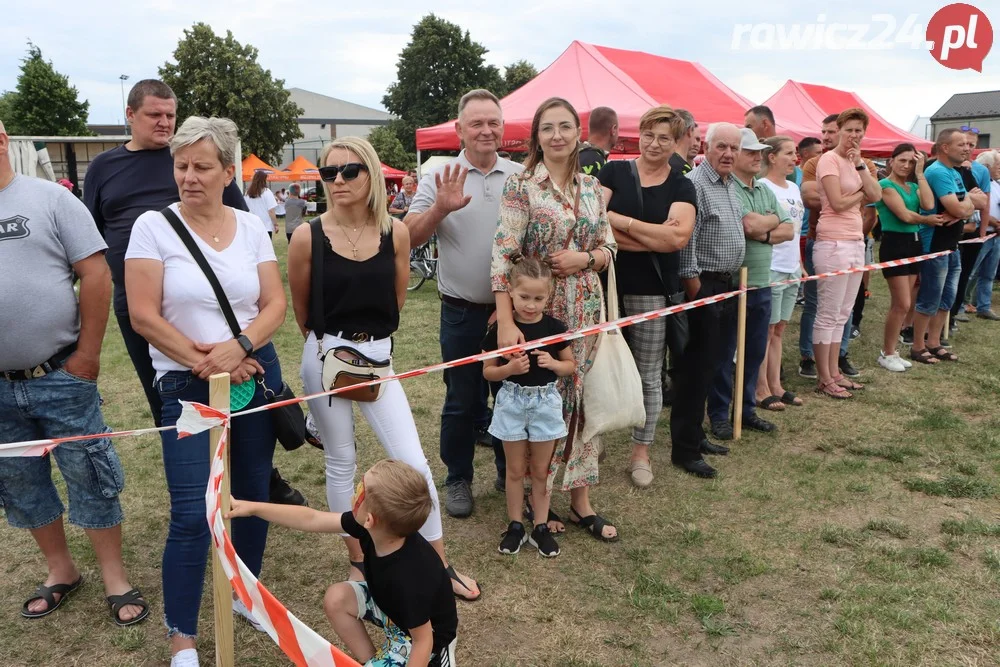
(407,591)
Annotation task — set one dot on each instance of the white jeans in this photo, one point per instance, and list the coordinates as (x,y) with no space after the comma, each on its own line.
(389,417)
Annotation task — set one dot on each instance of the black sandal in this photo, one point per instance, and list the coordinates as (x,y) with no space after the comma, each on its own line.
(454,577)
(48,594)
(788,398)
(772,403)
(529,514)
(118,602)
(937,352)
(593,524)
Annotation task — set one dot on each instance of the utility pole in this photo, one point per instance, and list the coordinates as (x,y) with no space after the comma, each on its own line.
(123,78)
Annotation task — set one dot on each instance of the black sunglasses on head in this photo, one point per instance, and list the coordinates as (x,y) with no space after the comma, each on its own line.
(349,171)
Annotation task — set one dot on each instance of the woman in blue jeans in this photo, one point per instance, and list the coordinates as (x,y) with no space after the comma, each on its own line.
(173,306)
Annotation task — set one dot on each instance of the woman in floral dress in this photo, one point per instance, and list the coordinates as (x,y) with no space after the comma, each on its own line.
(553,212)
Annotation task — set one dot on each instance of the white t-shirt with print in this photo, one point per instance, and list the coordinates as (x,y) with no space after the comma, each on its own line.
(259,206)
(785,257)
(189,303)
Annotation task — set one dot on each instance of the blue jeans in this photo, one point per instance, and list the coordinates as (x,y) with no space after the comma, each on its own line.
(186,465)
(938,283)
(720,393)
(809,310)
(53,406)
(462,332)
(983,273)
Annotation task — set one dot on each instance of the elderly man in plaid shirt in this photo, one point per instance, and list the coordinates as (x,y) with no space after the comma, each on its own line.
(710,265)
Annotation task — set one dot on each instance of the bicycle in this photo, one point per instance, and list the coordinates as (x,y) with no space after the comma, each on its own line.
(423,264)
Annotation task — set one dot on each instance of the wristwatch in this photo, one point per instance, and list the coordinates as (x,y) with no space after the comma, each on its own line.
(591,259)
(767,238)
(245,343)
(861,167)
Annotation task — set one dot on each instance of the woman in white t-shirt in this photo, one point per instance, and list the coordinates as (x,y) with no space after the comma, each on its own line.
(779,162)
(261,202)
(280,197)
(172,305)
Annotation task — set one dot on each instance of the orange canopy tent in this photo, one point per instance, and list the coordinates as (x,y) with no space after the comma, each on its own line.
(253,163)
(300,169)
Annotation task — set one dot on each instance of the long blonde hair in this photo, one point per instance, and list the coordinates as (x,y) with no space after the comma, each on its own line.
(774,146)
(377,200)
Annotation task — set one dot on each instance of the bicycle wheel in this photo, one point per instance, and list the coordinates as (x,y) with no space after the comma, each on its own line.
(417,276)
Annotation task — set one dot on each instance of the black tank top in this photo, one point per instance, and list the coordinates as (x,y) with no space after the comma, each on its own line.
(360,297)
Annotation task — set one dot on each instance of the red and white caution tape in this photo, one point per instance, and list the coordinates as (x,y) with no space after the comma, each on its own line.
(303,646)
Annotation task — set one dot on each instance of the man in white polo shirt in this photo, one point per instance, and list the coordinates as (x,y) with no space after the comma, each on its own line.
(461,202)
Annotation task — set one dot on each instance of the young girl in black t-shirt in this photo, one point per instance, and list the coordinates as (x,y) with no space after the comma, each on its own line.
(528,408)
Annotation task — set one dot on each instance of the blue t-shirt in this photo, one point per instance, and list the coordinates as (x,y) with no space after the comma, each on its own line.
(797,178)
(943,181)
(981,174)
(119,186)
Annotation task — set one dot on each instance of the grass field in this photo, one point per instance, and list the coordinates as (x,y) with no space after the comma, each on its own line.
(862,533)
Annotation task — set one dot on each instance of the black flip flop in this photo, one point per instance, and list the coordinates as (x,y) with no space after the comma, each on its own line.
(769,403)
(48,594)
(118,602)
(788,398)
(454,577)
(593,524)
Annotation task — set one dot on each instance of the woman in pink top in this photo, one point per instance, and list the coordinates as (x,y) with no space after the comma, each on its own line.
(845,186)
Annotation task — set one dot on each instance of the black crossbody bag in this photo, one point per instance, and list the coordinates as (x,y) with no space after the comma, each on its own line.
(289,420)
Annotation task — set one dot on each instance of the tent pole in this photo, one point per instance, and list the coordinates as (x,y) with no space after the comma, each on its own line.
(418,165)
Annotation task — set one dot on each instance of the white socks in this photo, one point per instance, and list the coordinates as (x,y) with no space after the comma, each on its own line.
(186,658)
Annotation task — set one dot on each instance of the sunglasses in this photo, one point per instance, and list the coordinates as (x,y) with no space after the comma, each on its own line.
(969,128)
(349,171)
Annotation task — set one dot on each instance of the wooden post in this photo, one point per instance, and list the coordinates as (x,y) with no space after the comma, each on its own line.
(741,339)
(222,593)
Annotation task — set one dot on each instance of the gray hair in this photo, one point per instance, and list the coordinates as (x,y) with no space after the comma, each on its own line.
(714,130)
(986,158)
(477,94)
(221,131)
(687,117)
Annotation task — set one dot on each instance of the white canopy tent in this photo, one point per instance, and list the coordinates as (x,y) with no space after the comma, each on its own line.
(30,162)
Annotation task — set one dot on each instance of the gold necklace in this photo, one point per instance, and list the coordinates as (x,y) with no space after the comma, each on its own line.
(218,230)
(354,243)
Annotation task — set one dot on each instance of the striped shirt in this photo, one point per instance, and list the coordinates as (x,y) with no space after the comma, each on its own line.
(717,243)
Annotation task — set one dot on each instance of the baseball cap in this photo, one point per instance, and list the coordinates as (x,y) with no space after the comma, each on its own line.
(748,141)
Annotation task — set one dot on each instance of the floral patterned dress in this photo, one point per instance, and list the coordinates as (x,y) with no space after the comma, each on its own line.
(536,219)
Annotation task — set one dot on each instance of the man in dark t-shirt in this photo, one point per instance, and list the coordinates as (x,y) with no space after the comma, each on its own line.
(123,183)
(602,135)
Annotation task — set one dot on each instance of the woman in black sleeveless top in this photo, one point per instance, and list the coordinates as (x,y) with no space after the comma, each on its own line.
(364,271)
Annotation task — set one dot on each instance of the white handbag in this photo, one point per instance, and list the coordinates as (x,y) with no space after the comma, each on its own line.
(612,388)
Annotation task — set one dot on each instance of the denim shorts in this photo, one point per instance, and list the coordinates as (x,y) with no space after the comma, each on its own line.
(534,414)
(53,406)
(395,651)
(938,284)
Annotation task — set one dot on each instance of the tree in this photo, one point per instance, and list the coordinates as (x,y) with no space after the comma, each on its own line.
(8,100)
(437,67)
(517,74)
(218,76)
(47,104)
(390,149)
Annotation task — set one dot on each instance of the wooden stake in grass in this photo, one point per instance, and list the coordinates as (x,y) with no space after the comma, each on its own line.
(741,339)
(218,398)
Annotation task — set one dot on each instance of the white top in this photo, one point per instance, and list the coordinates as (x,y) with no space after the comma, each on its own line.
(259,206)
(785,257)
(280,204)
(189,303)
(995,199)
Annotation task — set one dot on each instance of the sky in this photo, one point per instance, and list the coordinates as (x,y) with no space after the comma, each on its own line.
(350,50)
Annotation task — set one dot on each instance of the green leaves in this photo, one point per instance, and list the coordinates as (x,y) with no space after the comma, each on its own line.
(389,148)
(44,104)
(214,75)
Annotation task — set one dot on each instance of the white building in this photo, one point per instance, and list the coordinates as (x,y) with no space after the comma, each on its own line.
(325,118)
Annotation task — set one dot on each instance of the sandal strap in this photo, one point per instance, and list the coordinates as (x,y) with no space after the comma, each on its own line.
(132,597)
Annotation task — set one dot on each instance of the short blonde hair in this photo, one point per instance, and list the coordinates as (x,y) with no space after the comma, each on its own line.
(663,114)
(222,131)
(398,496)
(377,200)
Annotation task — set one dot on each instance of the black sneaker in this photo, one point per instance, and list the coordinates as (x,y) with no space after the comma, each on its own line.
(513,538)
(807,369)
(282,493)
(906,336)
(855,333)
(722,429)
(847,369)
(541,538)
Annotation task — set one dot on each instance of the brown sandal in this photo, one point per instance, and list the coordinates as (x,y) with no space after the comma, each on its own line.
(834,390)
(923,357)
(848,384)
(937,352)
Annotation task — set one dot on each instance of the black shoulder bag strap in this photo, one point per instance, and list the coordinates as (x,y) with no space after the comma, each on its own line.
(199,258)
(316,315)
(654,257)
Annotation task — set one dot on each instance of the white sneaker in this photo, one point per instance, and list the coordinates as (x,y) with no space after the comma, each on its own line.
(891,363)
(186,658)
(906,364)
(241,609)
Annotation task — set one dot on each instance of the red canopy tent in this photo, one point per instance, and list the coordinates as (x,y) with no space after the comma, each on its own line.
(392,174)
(630,82)
(804,105)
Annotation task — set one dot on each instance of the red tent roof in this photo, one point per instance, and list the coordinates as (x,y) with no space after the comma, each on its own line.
(392,174)
(630,82)
(799,106)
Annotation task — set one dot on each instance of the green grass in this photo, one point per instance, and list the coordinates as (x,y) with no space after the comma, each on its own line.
(863,532)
